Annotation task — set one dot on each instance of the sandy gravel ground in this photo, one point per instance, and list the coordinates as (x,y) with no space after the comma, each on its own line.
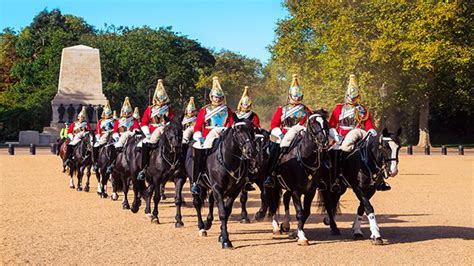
(426,218)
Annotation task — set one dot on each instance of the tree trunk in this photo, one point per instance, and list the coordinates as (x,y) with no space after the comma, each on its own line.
(423,122)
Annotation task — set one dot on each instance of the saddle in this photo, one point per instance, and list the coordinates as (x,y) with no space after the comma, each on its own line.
(293,144)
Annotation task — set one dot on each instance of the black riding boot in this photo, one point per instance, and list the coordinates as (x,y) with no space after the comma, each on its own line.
(198,158)
(69,152)
(145,160)
(95,156)
(272,165)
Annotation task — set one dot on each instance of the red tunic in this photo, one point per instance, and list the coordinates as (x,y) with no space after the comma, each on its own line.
(276,120)
(334,121)
(146,119)
(133,127)
(71,128)
(256,120)
(201,123)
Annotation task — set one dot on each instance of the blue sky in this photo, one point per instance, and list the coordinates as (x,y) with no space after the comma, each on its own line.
(244,26)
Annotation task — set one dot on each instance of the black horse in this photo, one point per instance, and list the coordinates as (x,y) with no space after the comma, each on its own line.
(126,168)
(373,159)
(81,161)
(166,162)
(299,171)
(103,160)
(227,165)
(262,140)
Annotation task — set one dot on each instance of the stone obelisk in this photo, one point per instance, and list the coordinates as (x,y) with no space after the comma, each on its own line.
(80,83)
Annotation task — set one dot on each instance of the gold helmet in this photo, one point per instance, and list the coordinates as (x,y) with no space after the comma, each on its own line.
(352,93)
(115,115)
(82,113)
(160,97)
(127,109)
(245,101)
(107,112)
(216,91)
(295,93)
(190,108)
(136,113)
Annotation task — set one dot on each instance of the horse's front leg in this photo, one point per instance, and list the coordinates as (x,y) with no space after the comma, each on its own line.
(115,185)
(300,216)
(210,214)
(369,210)
(150,191)
(285,226)
(104,180)
(71,177)
(88,174)
(330,200)
(80,174)
(243,202)
(99,177)
(156,199)
(197,202)
(223,217)
(137,190)
(260,214)
(162,190)
(179,184)
(125,181)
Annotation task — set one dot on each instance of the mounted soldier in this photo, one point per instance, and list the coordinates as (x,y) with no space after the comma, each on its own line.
(211,120)
(351,121)
(126,126)
(189,120)
(76,132)
(287,122)
(105,126)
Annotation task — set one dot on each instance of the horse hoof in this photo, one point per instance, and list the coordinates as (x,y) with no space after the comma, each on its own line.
(259,217)
(126,206)
(86,189)
(276,232)
(178,224)
(104,195)
(72,187)
(155,220)
(114,197)
(335,232)
(149,216)
(202,233)
(134,208)
(377,241)
(163,197)
(358,236)
(207,225)
(79,189)
(326,221)
(227,245)
(285,228)
(219,239)
(245,220)
(303,242)
(293,235)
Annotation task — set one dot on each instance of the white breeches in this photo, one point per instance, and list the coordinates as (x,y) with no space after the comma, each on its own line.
(77,138)
(123,138)
(213,134)
(290,135)
(187,134)
(351,138)
(103,138)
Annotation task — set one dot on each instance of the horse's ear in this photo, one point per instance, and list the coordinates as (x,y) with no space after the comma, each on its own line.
(399,131)
(385,132)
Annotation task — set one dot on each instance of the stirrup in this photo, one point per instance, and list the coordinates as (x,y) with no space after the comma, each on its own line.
(195,190)
(269,182)
(384,186)
(142,174)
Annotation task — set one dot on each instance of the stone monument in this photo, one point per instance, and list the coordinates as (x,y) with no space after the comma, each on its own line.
(80,83)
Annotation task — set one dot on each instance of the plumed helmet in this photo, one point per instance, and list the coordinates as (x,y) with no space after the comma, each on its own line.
(160,95)
(216,88)
(126,108)
(107,112)
(352,92)
(82,113)
(295,89)
(245,101)
(191,107)
(136,113)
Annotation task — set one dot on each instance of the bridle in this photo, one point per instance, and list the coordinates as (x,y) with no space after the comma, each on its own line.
(173,162)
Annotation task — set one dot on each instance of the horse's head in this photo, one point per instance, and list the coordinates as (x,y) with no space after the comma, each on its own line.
(243,133)
(173,133)
(389,147)
(317,128)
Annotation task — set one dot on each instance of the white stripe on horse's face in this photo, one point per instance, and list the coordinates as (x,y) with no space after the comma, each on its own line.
(321,123)
(393,163)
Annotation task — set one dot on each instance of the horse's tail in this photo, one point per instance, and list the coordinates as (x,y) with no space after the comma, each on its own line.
(325,198)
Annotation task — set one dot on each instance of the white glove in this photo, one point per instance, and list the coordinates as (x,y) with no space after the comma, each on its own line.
(277,133)
(116,136)
(146,131)
(333,134)
(372,132)
(197,136)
